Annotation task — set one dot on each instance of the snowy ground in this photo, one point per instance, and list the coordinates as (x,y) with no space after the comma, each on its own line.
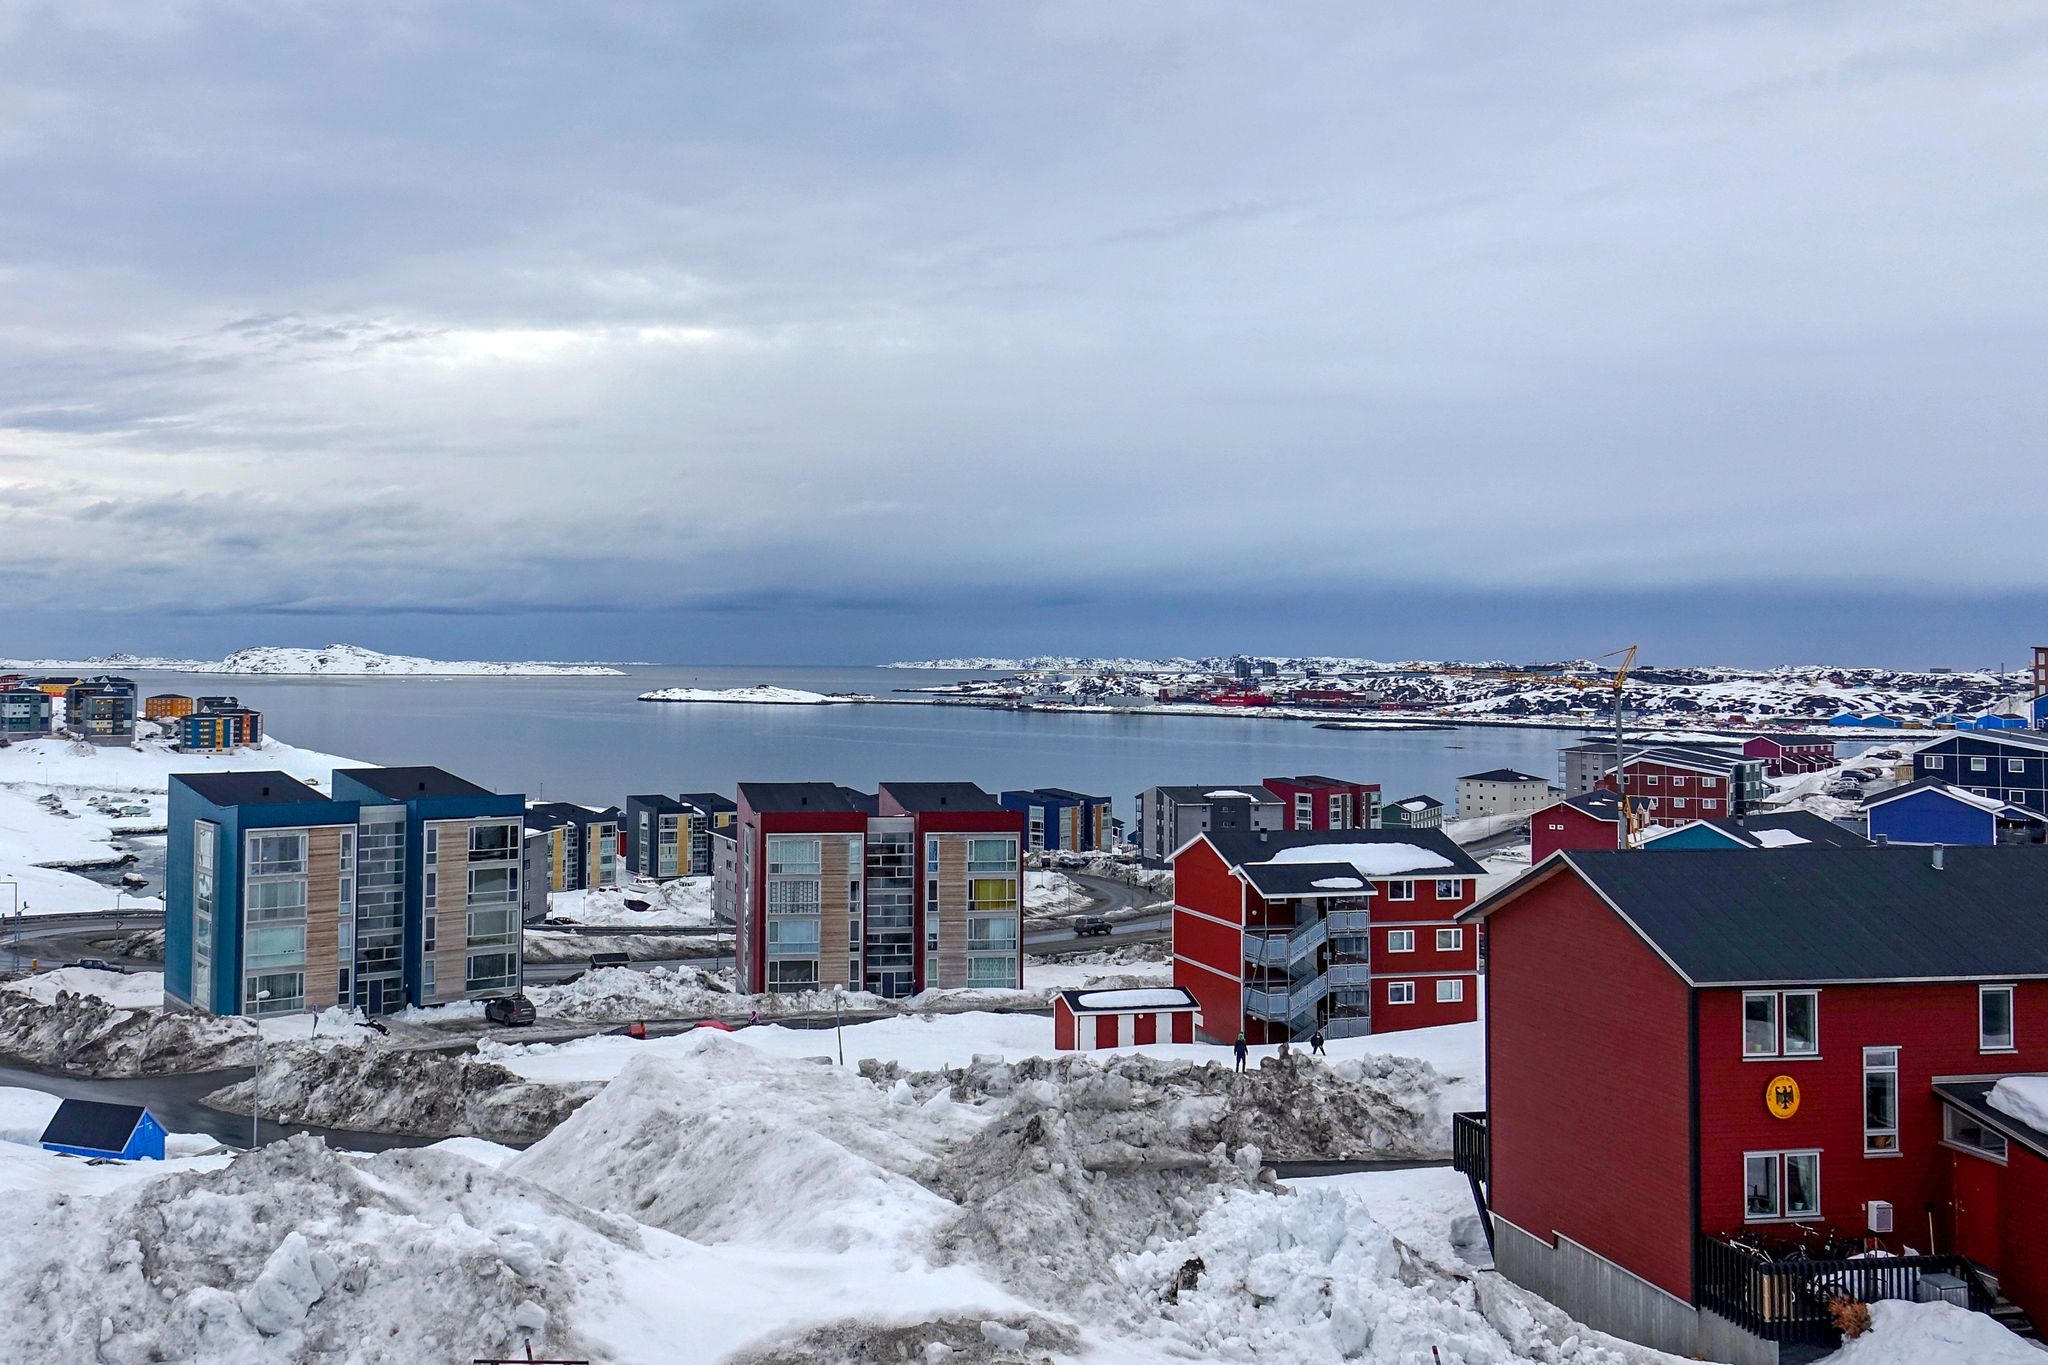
(1051,893)
(759,695)
(682,903)
(32,838)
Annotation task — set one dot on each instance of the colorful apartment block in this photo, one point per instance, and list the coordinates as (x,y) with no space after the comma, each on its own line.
(1056,818)
(166,706)
(24,712)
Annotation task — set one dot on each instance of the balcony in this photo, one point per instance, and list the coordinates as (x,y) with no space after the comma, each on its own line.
(1349,974)
(1282,950)
(1468,1144)
(1348,921)
(1284,1006)
(1788,1300)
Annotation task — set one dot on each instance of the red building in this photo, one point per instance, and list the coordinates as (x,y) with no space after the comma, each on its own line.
(1675,786)
(1591,821)
(1315,802)
(1279,932)
(1796,1045)
(1790,754)
(1086,1021)
(919,885)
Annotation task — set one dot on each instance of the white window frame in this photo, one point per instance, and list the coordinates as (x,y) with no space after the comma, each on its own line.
(1450,940)
(1304,810)
(1780,1174)
(1709,783)
(1937,761)
(1447,887)
(1979,764)
(1400,940)
(2015,765)
(1881,1141)
(1949,1117)
(2011,1043)
(1450,990)
(1401,890)
(1779,1051)
(1400,992)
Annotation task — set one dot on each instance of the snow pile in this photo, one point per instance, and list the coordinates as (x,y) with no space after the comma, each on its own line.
(1154,952)
(542,946)
(1372,860)
(761,694)
(1338,884)
(2024,1098)
(620,995)
(132,990)
(382,1089)
(719,1142)
(356,662)
(85,1032)
(682,903)
(1933,1334)
(1047,892)
(1135,999)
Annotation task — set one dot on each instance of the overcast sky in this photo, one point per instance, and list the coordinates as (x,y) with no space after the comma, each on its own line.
(802,331)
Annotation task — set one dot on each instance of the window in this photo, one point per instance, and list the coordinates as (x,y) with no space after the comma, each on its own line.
(1449,940)
(489,843)
(2014,765)
(1337,820)
(1936,761)
(992,855)
(931,893)
(1447,888)
(1401,891)
(1304,810)
(794,896)
(493,885)
(1682,803)
(491,972)
(427,979)
(277,900)
(792,938)
(989,895)
(277,855)
(433,891)
(274,993)
(1978,765)
(1450,990)
(1960,1129)
(792,976)
(1709,783)
(1764,1011)
(1651,780)
(1400,992)
(433,843)
(1400,940)
(989,971)
(430,932)
(1678,782)
(276,945)
(794,857)
(991,934)
(2016,796)
(1780,1185)
(1881,1100)
(1994,1019)
(493,927)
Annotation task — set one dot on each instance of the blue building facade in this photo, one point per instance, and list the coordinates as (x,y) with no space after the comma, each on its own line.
(402,888)
(459,929)
(1930,811)
(2008,765)
(1056,818)
(24,711)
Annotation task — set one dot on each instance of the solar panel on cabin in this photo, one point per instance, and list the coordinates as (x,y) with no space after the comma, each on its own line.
(93,1124)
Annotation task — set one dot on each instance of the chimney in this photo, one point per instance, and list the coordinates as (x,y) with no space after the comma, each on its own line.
(266,791)
(1938,861)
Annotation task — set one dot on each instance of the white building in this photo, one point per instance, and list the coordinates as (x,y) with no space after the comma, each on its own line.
(1502,791)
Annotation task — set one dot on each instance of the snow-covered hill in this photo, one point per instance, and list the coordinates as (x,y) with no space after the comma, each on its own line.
(355,661)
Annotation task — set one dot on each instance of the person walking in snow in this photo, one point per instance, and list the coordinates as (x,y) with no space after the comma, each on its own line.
(754,1017)
(1315,1042)
(1241,1050)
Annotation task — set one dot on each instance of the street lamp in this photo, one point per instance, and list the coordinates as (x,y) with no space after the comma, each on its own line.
(256,1087)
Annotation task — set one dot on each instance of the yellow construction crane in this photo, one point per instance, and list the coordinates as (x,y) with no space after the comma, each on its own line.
(1628,815)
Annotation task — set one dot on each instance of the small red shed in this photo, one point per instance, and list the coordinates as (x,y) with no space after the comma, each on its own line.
(1083,1021)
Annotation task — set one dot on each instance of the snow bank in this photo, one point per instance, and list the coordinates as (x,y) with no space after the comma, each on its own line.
(357,662)
(133,990)
(1047,892)
(1371,860)
(2024,1098)
(1933,1334)
(682,903)
(383,1089)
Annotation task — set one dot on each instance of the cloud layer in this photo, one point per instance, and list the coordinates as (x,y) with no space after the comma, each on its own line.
(422,309)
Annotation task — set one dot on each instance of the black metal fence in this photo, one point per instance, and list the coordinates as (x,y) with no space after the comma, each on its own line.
(1788,1300)
(1468,1144)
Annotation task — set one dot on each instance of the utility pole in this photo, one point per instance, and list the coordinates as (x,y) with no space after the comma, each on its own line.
(256,1085)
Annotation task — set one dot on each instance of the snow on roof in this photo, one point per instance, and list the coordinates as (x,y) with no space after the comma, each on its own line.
(2024,1098)
(1371,860)
(1337,884)
(1138,998)
(1227,792)
(1776,838)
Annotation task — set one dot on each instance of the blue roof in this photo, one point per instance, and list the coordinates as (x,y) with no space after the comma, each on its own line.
(1846,719)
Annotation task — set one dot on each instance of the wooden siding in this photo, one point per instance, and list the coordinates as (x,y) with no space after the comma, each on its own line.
(451,920)
(834,858)
(952,920)
(323,916)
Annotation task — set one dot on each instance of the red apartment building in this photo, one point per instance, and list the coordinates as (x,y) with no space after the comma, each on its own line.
(1790,754)
(1279,932)
(916,886)
(1793,1044)
(1669,785)
(1312,801)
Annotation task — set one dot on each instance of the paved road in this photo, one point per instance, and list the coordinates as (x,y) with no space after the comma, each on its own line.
(1115,899)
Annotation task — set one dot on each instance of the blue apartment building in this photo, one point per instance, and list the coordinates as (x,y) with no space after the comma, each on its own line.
(1056,818)
(24,711)
(2010,766)
(401,888)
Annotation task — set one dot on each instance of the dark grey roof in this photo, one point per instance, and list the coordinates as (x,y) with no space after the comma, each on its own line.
(1199,796)
(2025,739)
(1427,801)
(1503,775)
(1319,780)
(931,796)
(711,803)
(93,1124)
(1601,805)
(799,796)
(248,789)
(401,784)
(1975,1097)
(1273,880)
(1640,742)
(666,805)
(1814,829)
(1816,915)
(1241,847)
(548,814)
(1073,999)
(1070,794)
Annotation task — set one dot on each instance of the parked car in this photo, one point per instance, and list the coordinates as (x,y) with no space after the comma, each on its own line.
(1087,926)
(97,964)
(513,1011)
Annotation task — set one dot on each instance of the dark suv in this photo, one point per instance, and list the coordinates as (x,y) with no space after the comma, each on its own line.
(1087,926)
(509,1010)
